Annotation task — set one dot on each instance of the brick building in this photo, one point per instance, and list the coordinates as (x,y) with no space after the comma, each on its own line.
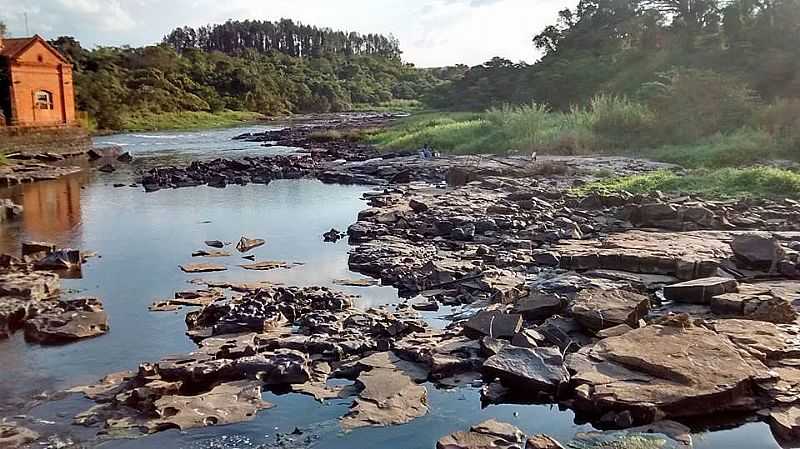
(35,84)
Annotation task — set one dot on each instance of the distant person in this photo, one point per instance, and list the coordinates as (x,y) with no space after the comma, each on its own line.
(428,151)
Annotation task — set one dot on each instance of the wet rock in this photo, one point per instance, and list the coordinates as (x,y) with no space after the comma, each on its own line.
(202,268)
(125,157)
(29,248)
(13,436)
(227,403)
(246,245)
(566,333)
(388,397)
(540,369)
(282,367)
(493,324)
(785,422)
(34,286)
(494,393)
(13,313)
(489,434)
(333,236)
(63,259)
(213,253)
(757,251)
(265,265)
(538,307)
(107,168)
(68,321)
(417,206)
(665,371)
(215,243)
(598,309)
(700,291)
(542,442)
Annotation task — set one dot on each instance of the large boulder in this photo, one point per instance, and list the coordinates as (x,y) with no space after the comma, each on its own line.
(757,251)
(537,369)
(664,371)
(598,309)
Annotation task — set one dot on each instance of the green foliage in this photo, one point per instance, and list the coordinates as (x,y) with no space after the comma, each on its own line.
(739,148)
(148,121)
(760,181)
(114,84)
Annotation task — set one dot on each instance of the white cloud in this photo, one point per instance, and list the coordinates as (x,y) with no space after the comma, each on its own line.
(431,32)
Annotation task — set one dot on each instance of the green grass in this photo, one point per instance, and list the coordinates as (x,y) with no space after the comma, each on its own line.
(759,182)
(186,120)
(396,105)
(3,160)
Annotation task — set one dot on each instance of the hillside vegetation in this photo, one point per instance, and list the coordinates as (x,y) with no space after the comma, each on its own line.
(261,67)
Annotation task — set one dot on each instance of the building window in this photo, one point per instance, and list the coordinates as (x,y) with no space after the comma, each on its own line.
(44,100)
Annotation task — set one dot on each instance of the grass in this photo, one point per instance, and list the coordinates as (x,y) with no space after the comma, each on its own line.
(758,182)
(395,105)
(186,120)
(3,159)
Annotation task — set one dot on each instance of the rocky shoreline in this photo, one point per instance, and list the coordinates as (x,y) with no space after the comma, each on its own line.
(641,313)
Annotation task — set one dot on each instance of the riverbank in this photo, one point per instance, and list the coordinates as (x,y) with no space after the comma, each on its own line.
(187,120)
(502,285)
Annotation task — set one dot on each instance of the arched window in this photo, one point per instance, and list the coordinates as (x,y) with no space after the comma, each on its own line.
(43,100)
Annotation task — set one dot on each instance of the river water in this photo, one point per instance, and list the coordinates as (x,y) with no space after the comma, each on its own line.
(142,238)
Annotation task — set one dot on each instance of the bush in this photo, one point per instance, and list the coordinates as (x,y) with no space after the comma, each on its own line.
(782,120)
(739,148)
(620,123)
(693,104)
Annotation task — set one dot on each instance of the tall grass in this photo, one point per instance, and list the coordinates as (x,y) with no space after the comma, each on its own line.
(186,120)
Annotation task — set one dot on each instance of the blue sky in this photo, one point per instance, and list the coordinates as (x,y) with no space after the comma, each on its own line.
(431,32)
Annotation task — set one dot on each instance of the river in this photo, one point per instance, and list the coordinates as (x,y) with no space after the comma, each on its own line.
(141,238)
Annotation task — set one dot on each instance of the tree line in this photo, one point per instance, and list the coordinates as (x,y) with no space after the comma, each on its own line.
(633,47)
(284,36)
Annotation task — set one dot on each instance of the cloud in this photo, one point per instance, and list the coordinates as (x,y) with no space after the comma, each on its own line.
(431,32)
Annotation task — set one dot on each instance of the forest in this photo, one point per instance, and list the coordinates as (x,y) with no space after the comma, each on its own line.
(262,67)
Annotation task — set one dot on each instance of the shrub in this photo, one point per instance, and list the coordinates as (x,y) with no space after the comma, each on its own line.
(782,120)
(620,123)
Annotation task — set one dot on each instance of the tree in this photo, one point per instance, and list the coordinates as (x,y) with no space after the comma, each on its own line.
(3,29)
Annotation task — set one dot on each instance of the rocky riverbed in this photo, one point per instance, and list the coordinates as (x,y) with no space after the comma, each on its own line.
(643,314)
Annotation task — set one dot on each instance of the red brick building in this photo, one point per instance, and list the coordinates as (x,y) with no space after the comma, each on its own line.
(35,84)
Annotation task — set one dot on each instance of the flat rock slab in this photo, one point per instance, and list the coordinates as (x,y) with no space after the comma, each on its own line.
(757,250)
(666,371)
(389,397)
(34,286)
(540,369)
(366,282)
(227,403)
(685,255)
(700,291)
(488,434)
(493,324)
(785,422)
(202,268)
(266,265)
(538,307)
(211,253)
(68,321)
(597,309)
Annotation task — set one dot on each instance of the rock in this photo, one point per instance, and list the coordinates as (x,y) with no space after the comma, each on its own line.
(64,259)
(542,442)
(215,243)
(665,371)
(202,268)
(463,233)
(417,206)
(528,338)
(564,332)
(700,291)
(540,369)
(213,253)
(246,245)
(282,367)
(427,306)
(615,331)
(458,177)
(785,422)
(757,251)
(125,157)
(107,168)
(493,324)
(13,436)
(265,265)
(33,286)
(538,307)
(685,255)
(226,403)
(364,282)
(389,397)
(494,393)
(333,236)
(29,248)
(489,434)
(68,321)
(597,309)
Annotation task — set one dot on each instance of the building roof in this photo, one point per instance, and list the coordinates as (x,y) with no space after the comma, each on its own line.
(12,48)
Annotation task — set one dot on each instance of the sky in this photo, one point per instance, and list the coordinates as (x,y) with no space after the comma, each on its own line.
(431,32)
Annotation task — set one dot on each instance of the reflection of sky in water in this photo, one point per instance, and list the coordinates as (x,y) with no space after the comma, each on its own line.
(142,238)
